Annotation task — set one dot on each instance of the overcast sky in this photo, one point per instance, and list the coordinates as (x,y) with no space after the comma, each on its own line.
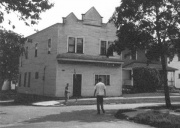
(64,7)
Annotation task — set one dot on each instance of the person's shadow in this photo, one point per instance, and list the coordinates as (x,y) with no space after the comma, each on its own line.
(78,115)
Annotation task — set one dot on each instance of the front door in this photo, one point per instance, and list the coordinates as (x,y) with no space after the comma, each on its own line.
(77,79)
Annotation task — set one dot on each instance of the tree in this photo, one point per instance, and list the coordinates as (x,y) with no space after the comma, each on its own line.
(11,44)
(11,48)
(152,25)
(27,10)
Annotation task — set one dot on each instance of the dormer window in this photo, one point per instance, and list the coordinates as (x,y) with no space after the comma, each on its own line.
(75,45)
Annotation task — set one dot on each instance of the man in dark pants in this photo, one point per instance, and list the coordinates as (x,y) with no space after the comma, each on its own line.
(100,92)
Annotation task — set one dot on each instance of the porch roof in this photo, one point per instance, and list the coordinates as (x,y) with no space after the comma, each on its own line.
(82,58)
(143,64)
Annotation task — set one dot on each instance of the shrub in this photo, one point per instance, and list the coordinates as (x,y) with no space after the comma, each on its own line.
(158,119)
(146,79)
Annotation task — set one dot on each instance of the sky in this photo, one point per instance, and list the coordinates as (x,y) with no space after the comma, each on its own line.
(62,8)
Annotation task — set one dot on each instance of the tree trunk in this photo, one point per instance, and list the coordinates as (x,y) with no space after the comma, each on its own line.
(165,81)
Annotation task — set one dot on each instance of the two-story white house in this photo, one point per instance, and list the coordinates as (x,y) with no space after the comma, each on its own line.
(71,52)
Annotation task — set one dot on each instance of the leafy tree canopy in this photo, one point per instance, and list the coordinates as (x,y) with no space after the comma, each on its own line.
(10,50)
(148,24)
(26,10)
(11,44)
(153,25)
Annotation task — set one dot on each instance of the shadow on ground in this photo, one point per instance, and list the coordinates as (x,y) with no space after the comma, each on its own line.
(12,103)
(79,115)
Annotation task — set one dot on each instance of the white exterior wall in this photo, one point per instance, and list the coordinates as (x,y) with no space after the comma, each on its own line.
(37,64)
(65,75)
(175,64)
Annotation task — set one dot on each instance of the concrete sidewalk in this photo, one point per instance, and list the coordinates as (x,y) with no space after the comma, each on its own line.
(61,102)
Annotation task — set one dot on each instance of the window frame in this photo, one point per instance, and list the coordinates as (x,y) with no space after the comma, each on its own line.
(107,77)
(107,46)
(49,48)
(75,44)
(19,80)
(26,52)
(25,75)
(36,50)
(29,79)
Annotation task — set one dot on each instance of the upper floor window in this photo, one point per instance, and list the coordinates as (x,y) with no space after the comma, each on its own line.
(133,55)
(75,45)
(26,53)
(104,47)
(105,79)
(49,46)
(36,48)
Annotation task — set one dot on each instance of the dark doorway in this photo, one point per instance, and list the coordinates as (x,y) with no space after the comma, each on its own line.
(77,79)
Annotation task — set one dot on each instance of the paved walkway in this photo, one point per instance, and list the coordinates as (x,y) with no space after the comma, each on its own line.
(57,102)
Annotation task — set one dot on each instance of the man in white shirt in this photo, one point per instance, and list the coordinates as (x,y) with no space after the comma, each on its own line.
(100,92)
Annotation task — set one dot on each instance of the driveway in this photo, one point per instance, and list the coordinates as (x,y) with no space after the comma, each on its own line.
(18,116)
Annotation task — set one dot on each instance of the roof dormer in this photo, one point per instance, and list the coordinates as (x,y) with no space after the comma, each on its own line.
(70,18)
(92,17)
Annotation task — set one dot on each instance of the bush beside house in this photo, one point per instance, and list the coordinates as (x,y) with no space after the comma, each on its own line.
(146,79)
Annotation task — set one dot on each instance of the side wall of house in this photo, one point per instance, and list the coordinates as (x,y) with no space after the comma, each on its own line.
(44,64)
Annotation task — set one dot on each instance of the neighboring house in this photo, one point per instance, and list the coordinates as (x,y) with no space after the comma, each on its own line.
(138,59)
(175,63)
(71,52)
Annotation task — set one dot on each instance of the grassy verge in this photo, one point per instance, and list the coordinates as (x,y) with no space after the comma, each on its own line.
(157,116)
(123,101)
(158,119)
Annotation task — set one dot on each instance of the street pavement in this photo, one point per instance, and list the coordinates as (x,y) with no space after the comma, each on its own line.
(65,117)
(53,114)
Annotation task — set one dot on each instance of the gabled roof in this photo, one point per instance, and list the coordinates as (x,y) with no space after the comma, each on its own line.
(91,11)
(70,17)
(92,17)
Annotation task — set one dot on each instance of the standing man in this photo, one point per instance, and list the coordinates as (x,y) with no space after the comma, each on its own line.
(100,92)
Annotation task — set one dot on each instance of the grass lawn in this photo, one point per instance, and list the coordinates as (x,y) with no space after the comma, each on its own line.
(127,100)
(157,116)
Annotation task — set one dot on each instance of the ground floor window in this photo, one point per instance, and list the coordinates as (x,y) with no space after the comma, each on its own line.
(105,79)
(19,80)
